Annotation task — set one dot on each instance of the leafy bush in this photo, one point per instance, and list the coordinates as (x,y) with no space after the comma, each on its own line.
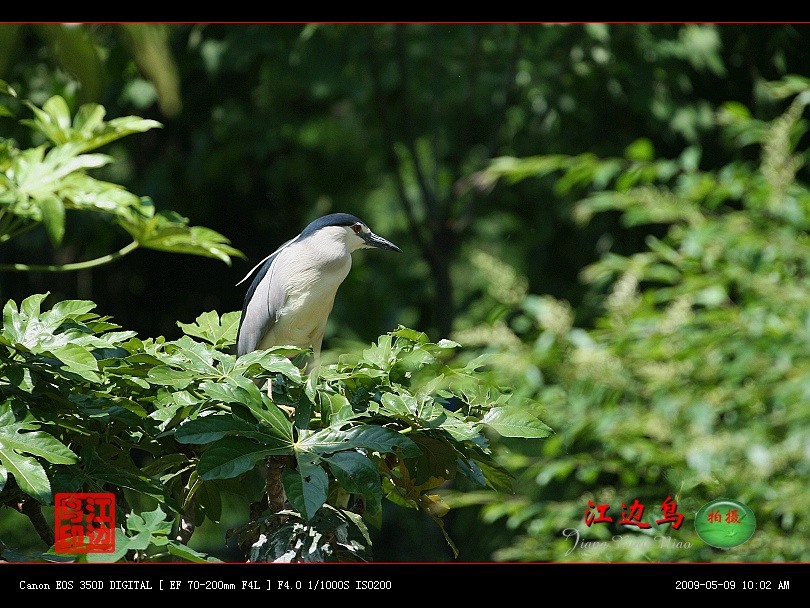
(88,407)
(39,185)
(694,382)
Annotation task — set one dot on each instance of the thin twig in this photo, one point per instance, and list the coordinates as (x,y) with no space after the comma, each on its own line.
(75,265)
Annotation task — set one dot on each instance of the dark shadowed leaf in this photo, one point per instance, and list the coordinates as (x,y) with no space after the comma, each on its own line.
(370,437)
(232,456)
(307,486)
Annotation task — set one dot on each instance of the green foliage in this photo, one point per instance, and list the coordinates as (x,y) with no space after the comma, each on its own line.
(146,537)
(39,185)
(86,406)
(28,473)
(694,382)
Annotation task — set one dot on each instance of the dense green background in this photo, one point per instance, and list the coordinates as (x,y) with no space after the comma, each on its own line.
(656,383)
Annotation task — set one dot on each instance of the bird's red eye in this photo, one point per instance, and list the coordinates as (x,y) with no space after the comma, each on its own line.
(357,227)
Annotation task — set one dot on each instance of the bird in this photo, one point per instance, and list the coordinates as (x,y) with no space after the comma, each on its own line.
(293,289)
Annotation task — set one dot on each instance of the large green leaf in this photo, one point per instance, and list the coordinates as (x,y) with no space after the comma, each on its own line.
(23,436)
(231,456)
(88,128)
(263,409)
(190,555)
(436,459)
(78,360)
(39,176)
(380,355)
(19,443)
(168,231)
(209,429)
(460,428)
(212,428)
(155,522)
(336,409)
(217,330)
(497,478)
(274,360)
(28,473)
(53,217)
(358,475)
(19,437)
(64,309)
(307,486)
(30,306)
(398,405)
(16,322)
(226,392)
(123,544)
(84,193)
(194,357)
(514,421)
(169,376)
(370,437)
(411,334)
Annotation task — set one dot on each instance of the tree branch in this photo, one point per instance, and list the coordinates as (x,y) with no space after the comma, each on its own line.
(33,511)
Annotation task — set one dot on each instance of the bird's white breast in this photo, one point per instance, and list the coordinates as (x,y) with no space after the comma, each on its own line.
(311,272)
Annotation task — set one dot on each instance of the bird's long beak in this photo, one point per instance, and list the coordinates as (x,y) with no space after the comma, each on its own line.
(372,240)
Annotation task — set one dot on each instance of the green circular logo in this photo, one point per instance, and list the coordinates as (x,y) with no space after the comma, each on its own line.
(725,523)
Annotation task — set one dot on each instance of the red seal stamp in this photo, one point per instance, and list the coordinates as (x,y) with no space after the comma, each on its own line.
(84,522)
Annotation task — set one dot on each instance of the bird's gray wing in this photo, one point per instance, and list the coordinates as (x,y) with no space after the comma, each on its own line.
(261,304)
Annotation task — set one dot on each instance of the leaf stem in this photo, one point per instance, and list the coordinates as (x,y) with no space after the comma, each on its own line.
(74,266)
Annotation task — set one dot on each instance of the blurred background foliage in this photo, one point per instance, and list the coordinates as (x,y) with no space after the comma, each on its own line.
(618,214)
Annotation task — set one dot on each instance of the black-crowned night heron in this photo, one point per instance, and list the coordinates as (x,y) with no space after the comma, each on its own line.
(291,296)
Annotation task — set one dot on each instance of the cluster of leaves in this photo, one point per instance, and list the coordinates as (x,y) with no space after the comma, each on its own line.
(88,407)
(695,382)
(39,185)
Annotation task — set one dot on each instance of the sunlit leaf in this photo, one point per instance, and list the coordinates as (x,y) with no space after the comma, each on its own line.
(515,422)
(53,217)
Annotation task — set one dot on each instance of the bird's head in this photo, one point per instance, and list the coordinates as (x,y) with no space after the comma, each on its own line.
(348,229)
